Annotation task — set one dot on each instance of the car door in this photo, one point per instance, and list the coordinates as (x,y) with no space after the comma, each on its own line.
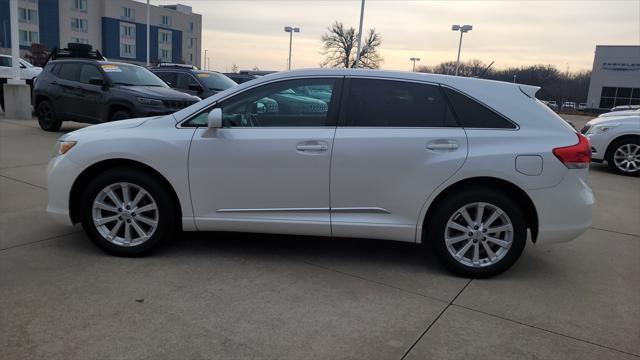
(65,91)
(91,98)
(267,169)
(395,143)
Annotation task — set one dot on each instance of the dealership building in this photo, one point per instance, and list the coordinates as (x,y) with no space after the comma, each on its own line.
(118,28)
(615,78)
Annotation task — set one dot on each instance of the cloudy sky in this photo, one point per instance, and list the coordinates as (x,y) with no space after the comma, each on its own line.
(563,33)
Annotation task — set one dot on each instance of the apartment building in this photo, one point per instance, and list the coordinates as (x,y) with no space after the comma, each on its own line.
(118,28)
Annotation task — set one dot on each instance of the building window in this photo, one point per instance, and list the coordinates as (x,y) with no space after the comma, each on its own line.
(190,26)
(128,13)
(616,96)
(164,37)
(190,58)
(79,5)
(165,20)
(27,16)
(164,55)
(29,37)
(79,40)
(127,30)
(192,42)
(128,51)
(81,25)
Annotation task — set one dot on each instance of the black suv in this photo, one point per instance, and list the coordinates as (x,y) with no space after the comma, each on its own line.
(190,80)
(93,91)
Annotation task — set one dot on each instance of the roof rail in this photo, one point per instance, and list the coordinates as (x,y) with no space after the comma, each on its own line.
(185,66)
(74,50)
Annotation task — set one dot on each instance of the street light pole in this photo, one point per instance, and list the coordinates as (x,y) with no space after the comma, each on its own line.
(205,59)
(290,30)
(148,26)
(463,29)
(414,59)
(355,65)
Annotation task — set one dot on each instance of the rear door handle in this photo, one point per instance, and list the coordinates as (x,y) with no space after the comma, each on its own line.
(442,145)
(315,147)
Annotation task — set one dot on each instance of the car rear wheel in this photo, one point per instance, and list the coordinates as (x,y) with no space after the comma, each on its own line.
(478,233)
(47,117)
(120,115)
(127,212)
(624,157)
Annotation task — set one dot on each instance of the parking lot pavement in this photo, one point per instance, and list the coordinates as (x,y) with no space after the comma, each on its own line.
(221,295)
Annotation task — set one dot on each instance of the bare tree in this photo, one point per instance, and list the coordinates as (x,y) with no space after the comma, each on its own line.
(37,54)
(234,68)
(339,46)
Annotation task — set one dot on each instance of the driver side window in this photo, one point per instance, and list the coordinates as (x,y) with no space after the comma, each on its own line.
(303,102)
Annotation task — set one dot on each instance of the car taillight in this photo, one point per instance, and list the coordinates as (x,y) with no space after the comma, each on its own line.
(575,156)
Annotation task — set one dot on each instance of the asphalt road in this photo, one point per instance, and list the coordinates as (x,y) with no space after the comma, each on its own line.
(239,296)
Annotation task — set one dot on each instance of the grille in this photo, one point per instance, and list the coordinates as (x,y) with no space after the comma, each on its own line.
(177,104)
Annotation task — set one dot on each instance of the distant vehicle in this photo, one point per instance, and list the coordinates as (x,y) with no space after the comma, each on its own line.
(190,80)
(568,105)
(28,72)
(551,104)
(620,113)
(468,167)
(247,75)
(79,85)
(616,140)
(582,106)
(625,107)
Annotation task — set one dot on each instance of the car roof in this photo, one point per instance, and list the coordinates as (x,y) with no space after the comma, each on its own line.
(92,61)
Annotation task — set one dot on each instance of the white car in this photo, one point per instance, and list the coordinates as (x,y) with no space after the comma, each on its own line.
(467,166)
(28,72)
(616,140)
(620,113)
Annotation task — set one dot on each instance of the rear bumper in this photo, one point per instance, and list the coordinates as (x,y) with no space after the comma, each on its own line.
(564,211)
(61,173)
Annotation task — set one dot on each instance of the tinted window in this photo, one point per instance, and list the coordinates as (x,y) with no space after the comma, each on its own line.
(472,114)
(286,103)
(394,104)
(5,61)
(184,80)
(69,72)
(215,81)
(87,72)
(167,77)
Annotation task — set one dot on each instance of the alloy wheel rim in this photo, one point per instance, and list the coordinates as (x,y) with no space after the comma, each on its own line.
(45,114)
(478,234)
(627,158)
(125,214)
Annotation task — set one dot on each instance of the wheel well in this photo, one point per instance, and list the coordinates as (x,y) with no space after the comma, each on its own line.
(511,190)
(89,173)
(623,137)
(115,107)
(39,99)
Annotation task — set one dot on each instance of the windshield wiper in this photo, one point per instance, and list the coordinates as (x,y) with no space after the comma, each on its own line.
(122,83)
(156,85)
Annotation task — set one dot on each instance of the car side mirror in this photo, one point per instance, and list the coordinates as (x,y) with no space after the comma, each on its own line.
(214,120)
(96,81)
(194,87)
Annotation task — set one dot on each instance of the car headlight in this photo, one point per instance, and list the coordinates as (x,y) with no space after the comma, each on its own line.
(147,101)
(599,129)
(63,147)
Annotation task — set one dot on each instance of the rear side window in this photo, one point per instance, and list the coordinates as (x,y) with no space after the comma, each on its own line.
(69,72)
(472,114)
(167,77)
(390,103)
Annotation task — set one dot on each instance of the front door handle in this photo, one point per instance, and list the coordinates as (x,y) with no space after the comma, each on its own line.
(314,147)
(442,145)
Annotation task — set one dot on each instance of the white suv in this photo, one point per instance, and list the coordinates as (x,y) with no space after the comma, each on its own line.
(616,140)
(467,166)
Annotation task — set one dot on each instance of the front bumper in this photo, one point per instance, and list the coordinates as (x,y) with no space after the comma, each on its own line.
(599,143)
(61,174)
(564,211)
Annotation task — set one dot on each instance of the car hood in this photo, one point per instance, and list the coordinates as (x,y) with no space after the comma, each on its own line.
(157,92)
(620,113)
(614,119)
(109,126)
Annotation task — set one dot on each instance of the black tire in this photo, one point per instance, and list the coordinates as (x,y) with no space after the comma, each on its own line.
(632,141)
(120,115)
(450,206)
(47,116)
(166,215)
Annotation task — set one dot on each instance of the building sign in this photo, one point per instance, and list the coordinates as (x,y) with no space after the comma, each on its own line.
(617,66)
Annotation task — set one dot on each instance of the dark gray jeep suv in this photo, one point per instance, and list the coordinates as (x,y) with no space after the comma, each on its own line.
(94,91)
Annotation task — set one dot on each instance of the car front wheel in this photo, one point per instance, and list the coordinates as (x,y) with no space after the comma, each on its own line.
(127,212)
(478,233)
(47,117)
(624,158)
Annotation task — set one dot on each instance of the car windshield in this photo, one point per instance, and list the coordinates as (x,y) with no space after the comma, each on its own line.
(131,75)
(215,81)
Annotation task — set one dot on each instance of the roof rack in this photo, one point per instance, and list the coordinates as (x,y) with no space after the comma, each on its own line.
(185,66)
(75,50)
